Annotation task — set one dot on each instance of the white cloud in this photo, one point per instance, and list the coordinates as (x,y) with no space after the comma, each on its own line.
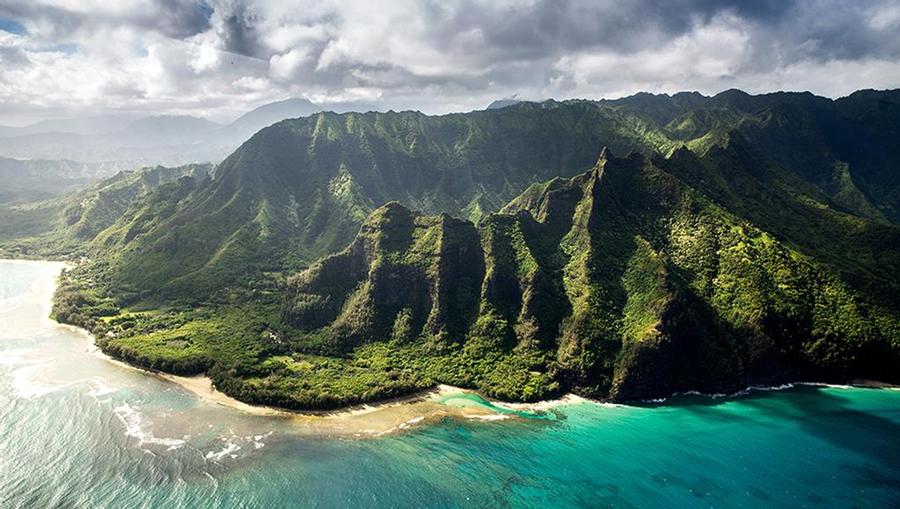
(709,56)
(179,56)
(285,65)
(285,37)
(206,58)
(251,84)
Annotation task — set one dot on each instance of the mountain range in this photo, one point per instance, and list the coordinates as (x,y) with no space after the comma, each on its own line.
(340,258)
(128,141)
(299,189)
(38,179)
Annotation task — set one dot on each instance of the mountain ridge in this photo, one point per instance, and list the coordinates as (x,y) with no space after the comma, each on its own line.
(601,289)
(314,179)
(743,239)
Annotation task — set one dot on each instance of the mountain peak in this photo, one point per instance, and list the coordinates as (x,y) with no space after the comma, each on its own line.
(502,103)
(605,155)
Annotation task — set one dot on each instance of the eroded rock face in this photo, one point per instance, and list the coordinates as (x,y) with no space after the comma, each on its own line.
(405,274)
(630,283)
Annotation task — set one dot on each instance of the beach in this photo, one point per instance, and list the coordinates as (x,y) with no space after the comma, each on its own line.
(371,419)
(80,429)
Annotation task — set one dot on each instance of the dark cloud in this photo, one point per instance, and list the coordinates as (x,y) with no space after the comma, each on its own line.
(178,19)
(517,46)
(239,32)
(13,56)
(181,19)
(549,27)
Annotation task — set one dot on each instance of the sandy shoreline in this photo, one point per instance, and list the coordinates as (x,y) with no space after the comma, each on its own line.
(373,419)
(376,418)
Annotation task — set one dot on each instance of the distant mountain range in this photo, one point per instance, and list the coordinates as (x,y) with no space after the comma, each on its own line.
(39,179)
(54,157)
(129,141)
(88,125)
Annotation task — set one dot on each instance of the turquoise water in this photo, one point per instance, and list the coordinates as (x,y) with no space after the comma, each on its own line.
(78,431)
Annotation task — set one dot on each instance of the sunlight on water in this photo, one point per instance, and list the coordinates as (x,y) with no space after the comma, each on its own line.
(79,431)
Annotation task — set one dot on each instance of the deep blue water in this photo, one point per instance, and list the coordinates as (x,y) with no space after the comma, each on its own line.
(78,431)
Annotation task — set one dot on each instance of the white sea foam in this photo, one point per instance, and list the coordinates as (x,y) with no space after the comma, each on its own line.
(13,357)
(228,451)
(257,440)
(412,422)
(606,404)
(822,384)
(742,392)
(25,382)
(11,303)
(99,388)
(490,417)
(134,427)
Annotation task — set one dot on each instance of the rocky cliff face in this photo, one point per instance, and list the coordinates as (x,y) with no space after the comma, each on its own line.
(755,240)
(406,275)
(626,281)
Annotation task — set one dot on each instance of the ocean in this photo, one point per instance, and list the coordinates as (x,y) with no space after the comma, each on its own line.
(77,430)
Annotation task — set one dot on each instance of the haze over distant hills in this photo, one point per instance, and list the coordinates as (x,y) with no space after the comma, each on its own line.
(39,179)
(57,156)
(502,103)
(126,141)
(95,124)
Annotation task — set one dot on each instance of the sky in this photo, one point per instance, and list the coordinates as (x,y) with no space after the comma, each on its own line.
(219,58)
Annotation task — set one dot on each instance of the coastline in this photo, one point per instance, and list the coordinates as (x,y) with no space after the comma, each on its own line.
(375,419)
(855,383)
(370,419)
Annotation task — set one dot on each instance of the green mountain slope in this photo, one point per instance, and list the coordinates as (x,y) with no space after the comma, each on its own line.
(624,282)
(300,189)
(61,227)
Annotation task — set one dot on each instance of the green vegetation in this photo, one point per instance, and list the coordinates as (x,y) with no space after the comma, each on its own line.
(64,227)
(715,255)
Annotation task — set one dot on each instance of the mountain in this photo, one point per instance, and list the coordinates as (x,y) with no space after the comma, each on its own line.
(502,103)
(225,139)
(248,123)
(620,283)
(623,282)
(36,179)
(60,227)
(299,189)
(744,239)
(149,140)
(126,141)
(165,130)
(86,125)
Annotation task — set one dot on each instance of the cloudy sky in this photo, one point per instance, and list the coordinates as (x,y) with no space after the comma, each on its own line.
(217,58)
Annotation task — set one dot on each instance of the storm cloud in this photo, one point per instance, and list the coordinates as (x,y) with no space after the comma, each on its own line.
(219,57)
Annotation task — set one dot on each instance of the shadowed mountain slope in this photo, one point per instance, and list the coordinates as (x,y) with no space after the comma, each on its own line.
(623,282)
